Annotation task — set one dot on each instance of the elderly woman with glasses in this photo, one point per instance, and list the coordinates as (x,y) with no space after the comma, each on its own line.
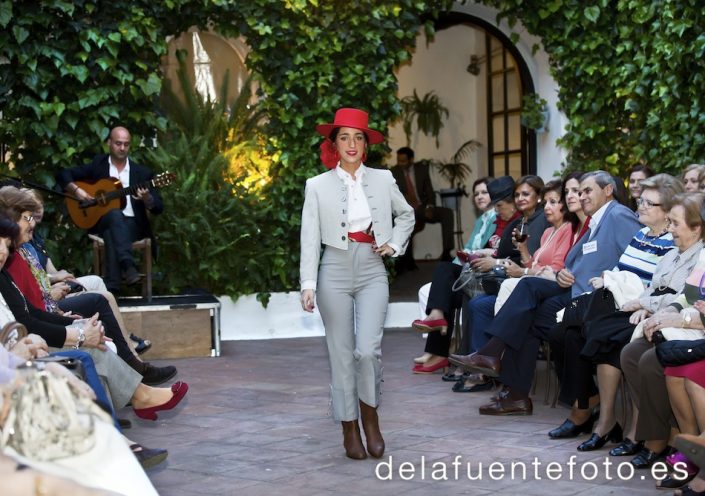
(602,332)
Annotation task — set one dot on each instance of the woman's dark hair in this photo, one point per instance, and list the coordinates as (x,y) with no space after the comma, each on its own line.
(556,185)
(483,180)
(648,172)
(571,217)
(9,229)
(535,182)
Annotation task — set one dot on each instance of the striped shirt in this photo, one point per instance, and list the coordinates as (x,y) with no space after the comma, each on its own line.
(643,254)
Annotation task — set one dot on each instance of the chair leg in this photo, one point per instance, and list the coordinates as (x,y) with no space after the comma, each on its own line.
(549,376)
(147,285)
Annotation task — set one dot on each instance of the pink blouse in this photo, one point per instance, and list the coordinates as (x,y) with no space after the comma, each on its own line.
(554,247)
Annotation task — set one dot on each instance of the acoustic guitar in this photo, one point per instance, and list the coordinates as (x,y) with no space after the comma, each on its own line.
(108,194)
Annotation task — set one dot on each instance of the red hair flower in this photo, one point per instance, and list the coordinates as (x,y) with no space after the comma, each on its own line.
(329,154)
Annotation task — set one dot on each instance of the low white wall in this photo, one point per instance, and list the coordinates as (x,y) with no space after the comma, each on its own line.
(246,318)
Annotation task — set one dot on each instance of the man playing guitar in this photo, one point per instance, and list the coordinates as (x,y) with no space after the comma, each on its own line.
(119,228)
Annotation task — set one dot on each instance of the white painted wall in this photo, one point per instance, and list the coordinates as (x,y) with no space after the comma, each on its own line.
(441,67)
(549,156)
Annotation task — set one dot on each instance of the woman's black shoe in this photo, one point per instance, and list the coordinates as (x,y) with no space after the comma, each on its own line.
(568,428)
(627,448)
(596,442)
(452,377)
(464,387)
(142,344)
(673,482)
(646,458)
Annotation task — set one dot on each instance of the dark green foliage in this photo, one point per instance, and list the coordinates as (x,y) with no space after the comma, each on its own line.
(631,76)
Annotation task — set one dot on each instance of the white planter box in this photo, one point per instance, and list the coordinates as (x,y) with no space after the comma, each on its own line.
(246,318)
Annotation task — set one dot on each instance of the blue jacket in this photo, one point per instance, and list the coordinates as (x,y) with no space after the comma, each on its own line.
(612,235)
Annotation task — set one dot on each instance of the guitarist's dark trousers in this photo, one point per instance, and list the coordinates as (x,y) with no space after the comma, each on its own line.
(118,232)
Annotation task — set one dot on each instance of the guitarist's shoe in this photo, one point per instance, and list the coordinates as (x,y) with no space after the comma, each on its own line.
(132,276)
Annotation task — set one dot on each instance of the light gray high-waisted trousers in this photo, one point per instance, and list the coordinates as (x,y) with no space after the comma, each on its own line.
(352,295)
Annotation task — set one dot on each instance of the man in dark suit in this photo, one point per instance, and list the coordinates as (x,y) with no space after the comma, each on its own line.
(119,228)
(530,312)
(414,181)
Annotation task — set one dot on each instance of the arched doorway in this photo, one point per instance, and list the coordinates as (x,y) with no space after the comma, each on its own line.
(209,57)
(510,147)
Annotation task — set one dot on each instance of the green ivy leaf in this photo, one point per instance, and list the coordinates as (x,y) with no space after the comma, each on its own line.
(592,13)
(5,13)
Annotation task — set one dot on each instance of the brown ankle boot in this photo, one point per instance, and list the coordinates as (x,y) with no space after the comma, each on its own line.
(370,424)
(352,440)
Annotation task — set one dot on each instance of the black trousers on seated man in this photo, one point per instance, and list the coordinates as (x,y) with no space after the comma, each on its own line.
(118,232)
(86,305)
(523,322)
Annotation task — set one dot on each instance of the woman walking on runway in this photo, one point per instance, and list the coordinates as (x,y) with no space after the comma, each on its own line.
(349,209)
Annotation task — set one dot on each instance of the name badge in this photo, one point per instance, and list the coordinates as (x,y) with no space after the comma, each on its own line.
(590,247)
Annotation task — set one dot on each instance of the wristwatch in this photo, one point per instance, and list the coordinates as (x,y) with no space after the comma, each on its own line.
(81,338)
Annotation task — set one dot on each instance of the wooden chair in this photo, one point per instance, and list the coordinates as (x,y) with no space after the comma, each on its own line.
(143,245)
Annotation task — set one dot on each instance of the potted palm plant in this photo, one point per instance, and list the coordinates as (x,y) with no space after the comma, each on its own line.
(456,171)
(428,112)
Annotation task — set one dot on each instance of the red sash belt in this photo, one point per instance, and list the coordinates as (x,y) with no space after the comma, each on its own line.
(361,237)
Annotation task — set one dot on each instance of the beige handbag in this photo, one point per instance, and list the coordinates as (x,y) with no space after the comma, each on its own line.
(47,418)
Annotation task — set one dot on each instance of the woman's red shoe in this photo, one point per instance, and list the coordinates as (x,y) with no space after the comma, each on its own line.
(178,388)
(430,325)
(430,369)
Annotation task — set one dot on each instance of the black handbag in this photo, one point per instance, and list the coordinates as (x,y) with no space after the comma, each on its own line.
(72,364)
(680,352)
(492,280)
(599,302)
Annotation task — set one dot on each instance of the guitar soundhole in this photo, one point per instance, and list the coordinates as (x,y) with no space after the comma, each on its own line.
(100,198)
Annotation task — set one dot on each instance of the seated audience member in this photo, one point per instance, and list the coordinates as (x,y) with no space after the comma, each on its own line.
(692,177)
(686,393)
(545,261)
(414,181)
(62,284)
(26,272)
(636,175)
(105,464)
(34,347)
(123,382)
(598,339)
(479,238)
(443,301)
(530,311)
(651,413)
(694,447)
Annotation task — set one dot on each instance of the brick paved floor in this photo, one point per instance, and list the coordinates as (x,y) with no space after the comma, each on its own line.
(255,423)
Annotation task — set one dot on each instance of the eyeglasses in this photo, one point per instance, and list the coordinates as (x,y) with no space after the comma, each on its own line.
(29,218)
(647,204)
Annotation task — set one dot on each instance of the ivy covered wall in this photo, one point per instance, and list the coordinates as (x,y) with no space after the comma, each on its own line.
(71,70)
(631,74)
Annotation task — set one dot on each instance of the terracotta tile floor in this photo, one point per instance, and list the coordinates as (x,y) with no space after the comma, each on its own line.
(255,423)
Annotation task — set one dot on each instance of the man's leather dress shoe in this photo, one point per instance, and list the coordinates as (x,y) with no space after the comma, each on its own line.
(505,406)
(484,364)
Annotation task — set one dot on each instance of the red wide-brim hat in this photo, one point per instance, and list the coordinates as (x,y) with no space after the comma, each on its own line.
(350,117)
